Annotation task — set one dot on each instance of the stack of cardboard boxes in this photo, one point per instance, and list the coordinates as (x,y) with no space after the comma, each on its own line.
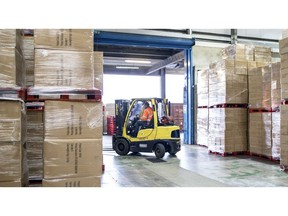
(12,65)
(65,62)
(13,162)
(283,49)
(203,106)
(177,113)
(264,102)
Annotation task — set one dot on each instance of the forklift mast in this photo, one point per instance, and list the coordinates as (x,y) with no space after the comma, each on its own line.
(121,109)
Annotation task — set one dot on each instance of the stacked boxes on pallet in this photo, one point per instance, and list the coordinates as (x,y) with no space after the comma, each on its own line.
(28,53)
(228,98)
(66,64)
(203,109)
(264,101)
(283,49)
(177,114)
(12,65)
(13,162)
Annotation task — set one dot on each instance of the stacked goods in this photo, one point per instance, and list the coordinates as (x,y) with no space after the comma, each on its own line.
(12,65)
(264,100)
(111,125)
(98,70)
(238,52)
(228,82)
(202,126)
(262,54)
(109,111)
(227,130)
(13,163)
(276,135)
(72,143)
(260,131)
(284,136)
(177,114)
(35,139)
(202,88)
(28,53)
(64,58)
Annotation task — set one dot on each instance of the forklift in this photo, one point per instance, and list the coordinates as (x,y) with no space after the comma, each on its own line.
(159,136)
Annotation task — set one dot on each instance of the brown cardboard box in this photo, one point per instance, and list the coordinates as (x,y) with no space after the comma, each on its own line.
(11,38)
(91,181)
(284,60)
(28,47)
(12,68)
(64,39)
(72,158)
(283,46)
(12,121)
(238,52)
(73,120)
(11,184)
(98,70)
(13,164)
(275,85)
(29,65)
(64,69)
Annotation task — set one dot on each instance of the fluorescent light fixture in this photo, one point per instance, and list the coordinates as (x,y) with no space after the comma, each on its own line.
(138,61)
(126,67)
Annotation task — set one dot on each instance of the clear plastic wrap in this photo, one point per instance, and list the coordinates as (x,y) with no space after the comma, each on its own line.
(91,181)
(266,86)
(64,39)
(203,87)
(12,121)
(275,86)
(227,130)
(70,158)
(11,38)
(98,70)
(202,126)
(225,85)
(57,69)
(276,135)
(12,68)
(73,120)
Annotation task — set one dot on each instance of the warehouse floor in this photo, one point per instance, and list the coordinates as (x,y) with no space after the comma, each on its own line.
(193,166)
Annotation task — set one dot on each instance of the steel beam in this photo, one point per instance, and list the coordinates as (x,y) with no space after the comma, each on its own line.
(163,82)
(188,106)
(170,60)
(233,36)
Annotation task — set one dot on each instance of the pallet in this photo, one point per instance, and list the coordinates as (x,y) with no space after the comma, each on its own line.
(74,95)
(227,105)
(283,168)
(202,107)
(14,93)
(271,158)
(225,154)
(257,110)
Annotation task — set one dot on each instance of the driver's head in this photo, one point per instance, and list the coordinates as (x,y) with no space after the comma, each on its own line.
(146,104)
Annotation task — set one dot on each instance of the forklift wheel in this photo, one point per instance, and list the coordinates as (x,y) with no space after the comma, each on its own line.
(159,150)
(122,147)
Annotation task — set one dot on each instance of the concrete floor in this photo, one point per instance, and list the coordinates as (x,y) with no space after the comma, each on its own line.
(193,166)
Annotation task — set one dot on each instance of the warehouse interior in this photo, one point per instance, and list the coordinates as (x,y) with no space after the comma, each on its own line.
(226,89)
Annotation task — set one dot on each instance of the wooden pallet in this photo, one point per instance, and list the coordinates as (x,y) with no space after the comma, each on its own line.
(271,158)
(225,154)
(227,105)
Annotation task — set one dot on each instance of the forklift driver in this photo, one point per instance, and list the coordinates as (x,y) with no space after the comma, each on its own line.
(144,119)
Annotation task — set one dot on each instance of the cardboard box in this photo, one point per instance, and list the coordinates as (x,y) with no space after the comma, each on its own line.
(13,164)
(283,46)
(12,121)
(12,184)
(73,120)
(64,39)
(63,69)
(29,66)
(275,85)
(11,38)
(91,181)
(28,47)
(238,52)
(98,70)
(202,126)
(12,68)
(72,158)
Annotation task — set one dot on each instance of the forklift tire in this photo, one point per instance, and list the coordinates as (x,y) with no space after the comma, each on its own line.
(159,150)
(122,147)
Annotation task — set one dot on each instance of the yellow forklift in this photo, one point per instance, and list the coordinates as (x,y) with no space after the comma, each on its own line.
(159,136)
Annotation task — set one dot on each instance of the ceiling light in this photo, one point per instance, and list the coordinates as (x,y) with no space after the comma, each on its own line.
(138,61)
(126,67)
